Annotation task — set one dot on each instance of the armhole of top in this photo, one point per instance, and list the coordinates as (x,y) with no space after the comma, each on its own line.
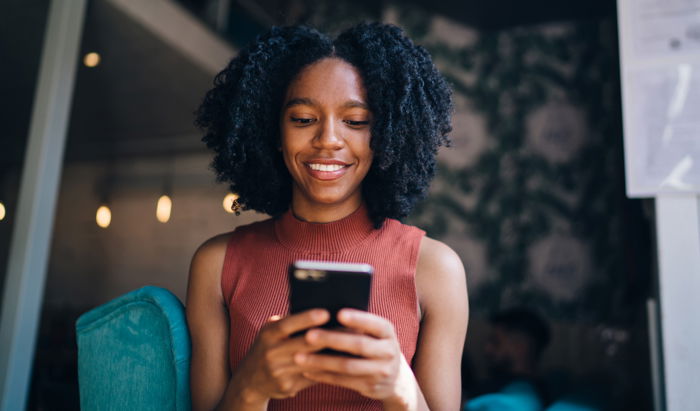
(227,280)
(418,235)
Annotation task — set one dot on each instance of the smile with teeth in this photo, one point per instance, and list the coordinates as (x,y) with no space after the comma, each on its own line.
(325,167)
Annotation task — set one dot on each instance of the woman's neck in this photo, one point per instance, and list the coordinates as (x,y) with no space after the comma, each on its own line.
(323,213)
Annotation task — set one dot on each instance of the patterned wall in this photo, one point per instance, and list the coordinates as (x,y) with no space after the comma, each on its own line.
(532,192)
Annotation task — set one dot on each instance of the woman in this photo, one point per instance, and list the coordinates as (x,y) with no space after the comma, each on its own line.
(336,139)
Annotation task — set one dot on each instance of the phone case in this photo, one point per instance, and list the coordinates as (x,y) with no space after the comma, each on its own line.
(329,285)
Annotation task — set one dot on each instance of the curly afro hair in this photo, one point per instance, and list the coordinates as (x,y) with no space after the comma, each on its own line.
(409,99)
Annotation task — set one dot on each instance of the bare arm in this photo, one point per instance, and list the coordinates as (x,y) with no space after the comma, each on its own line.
(442,291)
(267,371)
(207,319)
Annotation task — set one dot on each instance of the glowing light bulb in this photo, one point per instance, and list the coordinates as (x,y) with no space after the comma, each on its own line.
(228,202)
(163,209)
(91,59)
(2,211)
(104,216)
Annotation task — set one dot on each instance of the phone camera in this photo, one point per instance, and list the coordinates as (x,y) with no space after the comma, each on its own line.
(313,275)
(317,275)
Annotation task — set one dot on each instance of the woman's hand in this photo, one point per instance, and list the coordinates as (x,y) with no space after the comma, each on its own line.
(381,373)
(268,370)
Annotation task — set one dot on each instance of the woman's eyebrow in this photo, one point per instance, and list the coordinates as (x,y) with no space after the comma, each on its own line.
(356,103)
(299,101)
(305,101)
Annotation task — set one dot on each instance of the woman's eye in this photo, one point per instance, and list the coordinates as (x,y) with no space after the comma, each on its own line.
(302,120)
(354,123)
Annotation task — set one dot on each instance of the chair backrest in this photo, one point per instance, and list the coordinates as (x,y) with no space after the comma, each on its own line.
(577,402)
(565,405)
(516,396)
(134,353)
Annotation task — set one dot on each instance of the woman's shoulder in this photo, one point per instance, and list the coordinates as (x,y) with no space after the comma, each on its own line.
(219,242)
(215,245)
(209,256)
(439,273)
(431,252)
(396,226)
(437,255)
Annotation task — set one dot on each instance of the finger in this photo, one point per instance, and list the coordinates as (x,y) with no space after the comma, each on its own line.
(342,365)
(288,370)
(300,383)
(281,355)
(366,323)
(285,349)
(290,385)
(303,383)
(291,372)
(283,328)
(360,385)
(357,344)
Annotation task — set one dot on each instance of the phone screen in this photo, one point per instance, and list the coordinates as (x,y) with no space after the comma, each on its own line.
(329,285)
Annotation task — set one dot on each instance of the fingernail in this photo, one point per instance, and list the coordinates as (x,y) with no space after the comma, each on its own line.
(312,336)
(320,315)
(300,358)
(344,315)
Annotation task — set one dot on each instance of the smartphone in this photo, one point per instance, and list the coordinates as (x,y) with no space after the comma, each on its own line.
(329,285)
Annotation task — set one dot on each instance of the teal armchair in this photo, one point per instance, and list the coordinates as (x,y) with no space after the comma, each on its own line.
(517,396)
(134,353)
(521,396)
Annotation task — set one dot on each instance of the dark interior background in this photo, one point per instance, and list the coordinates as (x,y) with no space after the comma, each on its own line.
(553,64)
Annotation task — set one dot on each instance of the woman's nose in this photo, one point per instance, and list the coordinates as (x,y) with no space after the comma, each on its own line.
(328,137)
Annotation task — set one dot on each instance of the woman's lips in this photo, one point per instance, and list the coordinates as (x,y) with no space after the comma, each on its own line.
(326,170)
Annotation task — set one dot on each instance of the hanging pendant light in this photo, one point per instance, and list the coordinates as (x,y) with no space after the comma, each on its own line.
(229,201)
(104,187)
(103,217)
(164,208)
(91,59)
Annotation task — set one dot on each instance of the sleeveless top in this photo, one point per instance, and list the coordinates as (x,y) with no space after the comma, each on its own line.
(255,285)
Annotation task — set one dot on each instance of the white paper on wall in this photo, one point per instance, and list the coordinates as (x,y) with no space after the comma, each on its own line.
(660,63)
(665,27)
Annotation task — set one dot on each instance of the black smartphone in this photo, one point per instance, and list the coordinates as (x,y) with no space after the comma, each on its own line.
(329,285)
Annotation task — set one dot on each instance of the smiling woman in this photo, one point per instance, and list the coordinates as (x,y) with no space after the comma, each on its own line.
(336,139)
(325,140)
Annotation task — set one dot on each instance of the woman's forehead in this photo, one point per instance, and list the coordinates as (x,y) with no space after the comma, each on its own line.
(328,81)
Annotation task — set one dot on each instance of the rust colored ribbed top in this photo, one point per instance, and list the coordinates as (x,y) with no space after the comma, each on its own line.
(255,285)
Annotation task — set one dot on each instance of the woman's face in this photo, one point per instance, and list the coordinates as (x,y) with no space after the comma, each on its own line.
(325,130)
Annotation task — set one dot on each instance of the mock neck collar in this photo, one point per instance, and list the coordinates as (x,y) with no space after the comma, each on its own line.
(333,236)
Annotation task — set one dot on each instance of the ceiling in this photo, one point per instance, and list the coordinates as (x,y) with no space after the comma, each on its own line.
(139,101)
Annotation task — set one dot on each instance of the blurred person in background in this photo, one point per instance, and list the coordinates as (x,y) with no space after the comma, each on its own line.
(516,339)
